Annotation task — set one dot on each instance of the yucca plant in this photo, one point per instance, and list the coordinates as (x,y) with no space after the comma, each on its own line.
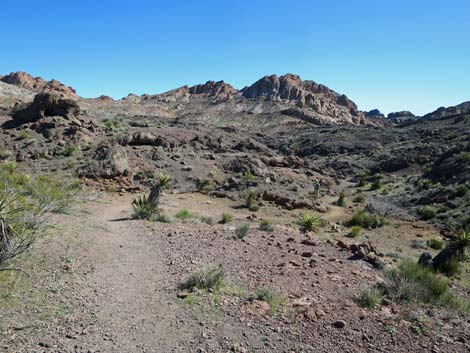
(454,251)
(147,207)
(310,221)
(226,218)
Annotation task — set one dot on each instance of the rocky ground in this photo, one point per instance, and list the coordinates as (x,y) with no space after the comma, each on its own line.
(101,282)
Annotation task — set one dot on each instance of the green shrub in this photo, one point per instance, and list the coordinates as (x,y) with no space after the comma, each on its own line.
(270,296)
(377,183)
(226,218)
(184,214)
(23,135)
(355,232)
(369,298)
(207,220)
(411,282)
(66,151)
(242,230)
(266,226)
(366,220)
(310,221)
(449,268)
(359,198)
(210,277)
(251,200)
(115,124)
(436,244)
(341,199)
(461,190)
(464,157)
(427,213)
(206,185)
(247,177)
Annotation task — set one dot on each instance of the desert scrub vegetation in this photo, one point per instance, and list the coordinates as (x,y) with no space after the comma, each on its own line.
(435,244)
(266,226)
(369,298)
(359,198)
(270,296)
(242,230)
(147,207)
(24,204)
(427,213)
(115,124)
(341,199)
(211,277)
(411,282)
(226,218)
(354,232)
(364,219)
(184,214)
(310,221)
(251,201)
(446,261)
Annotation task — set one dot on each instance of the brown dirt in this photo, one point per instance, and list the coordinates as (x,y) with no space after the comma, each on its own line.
(109,284)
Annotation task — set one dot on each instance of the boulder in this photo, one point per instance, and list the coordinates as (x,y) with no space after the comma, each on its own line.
(108,162)
(46,104)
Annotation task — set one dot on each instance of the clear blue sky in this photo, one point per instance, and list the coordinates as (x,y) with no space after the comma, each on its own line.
(392,55)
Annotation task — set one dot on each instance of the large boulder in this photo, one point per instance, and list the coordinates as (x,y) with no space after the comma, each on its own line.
(108,162)
(46,104)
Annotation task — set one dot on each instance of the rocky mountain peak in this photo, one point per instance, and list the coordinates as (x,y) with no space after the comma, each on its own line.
(38,84)
(219,90)
(291,90)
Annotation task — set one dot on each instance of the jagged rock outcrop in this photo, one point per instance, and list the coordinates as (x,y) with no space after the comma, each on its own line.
(45,104)
(290,90)
(401,117)
(37,84)
(442,112)
(375,113)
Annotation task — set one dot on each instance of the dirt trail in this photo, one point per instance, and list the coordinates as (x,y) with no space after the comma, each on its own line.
(134,311)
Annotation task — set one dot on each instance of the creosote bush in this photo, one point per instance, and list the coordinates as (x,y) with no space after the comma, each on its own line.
(366,220)
(210,277)
(369,298)
(266,226)
(184,214)
(270,296)
(359,198)
(436,244)
(310,221)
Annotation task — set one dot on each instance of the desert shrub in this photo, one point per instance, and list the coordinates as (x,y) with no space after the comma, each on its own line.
(377,183)
(147,207)
(242,230)
(184,214)
(266,226)
(418,244)
(66,151)
(270,296)
(461,190)
(5,154)
(207,220)
(369,298)
(210,277)
(359,198)
(226,218)
(310,221)
(411,282)
(251,200)
(464,157)
(449,268)
(454,251)
(436,244)
(248,177)
(206,185)
(19,227)
(115,124)
(366,220)
(427,213)
(354,232)
(341,199)
(23,135)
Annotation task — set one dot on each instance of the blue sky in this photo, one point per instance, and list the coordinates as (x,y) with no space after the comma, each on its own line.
(391,55)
